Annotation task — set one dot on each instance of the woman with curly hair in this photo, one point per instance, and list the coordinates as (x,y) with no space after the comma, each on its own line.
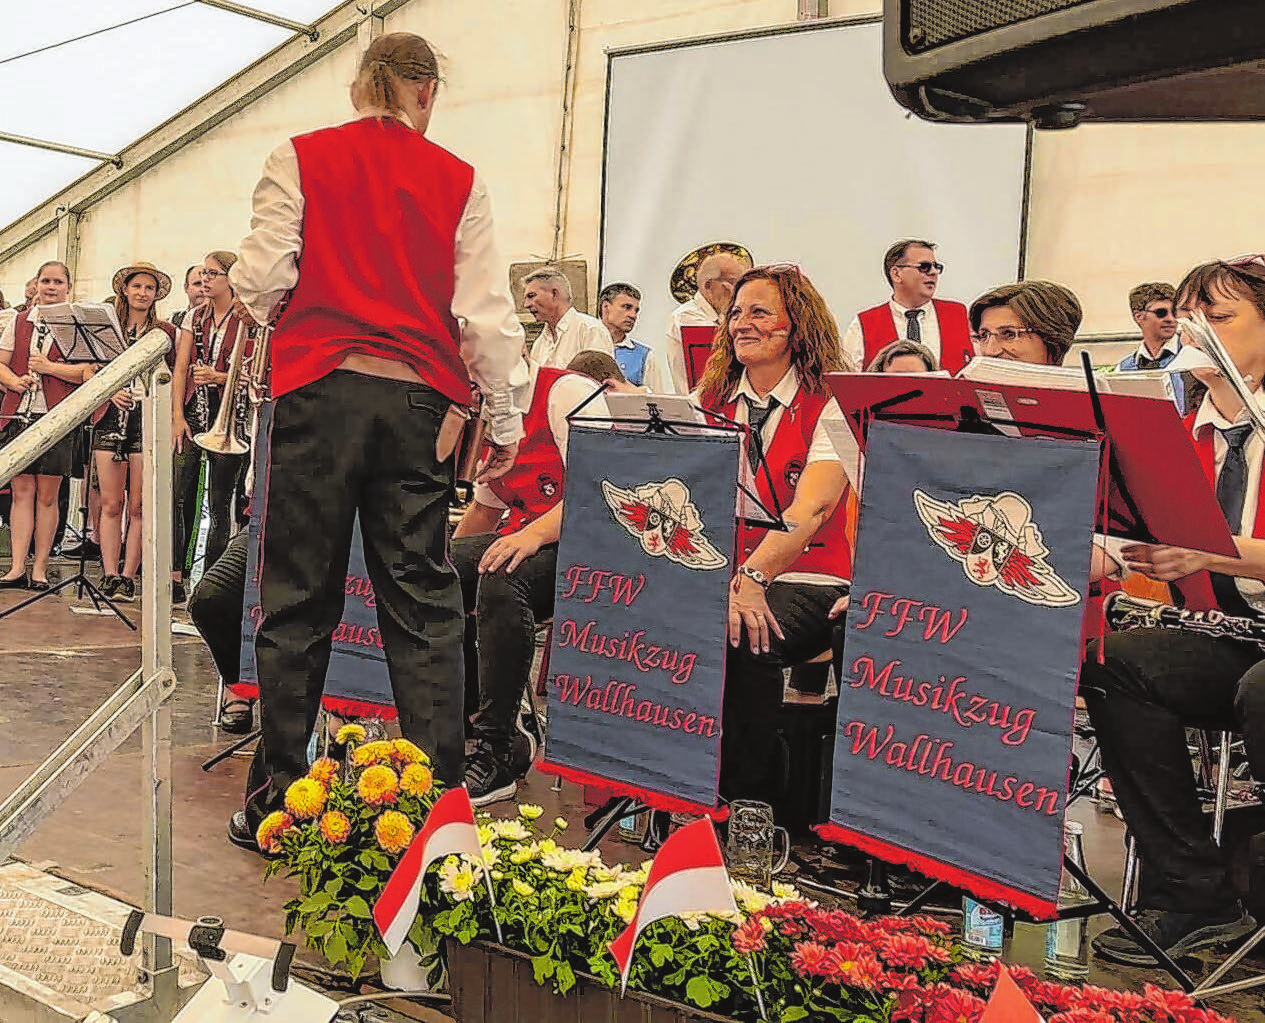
(776,341)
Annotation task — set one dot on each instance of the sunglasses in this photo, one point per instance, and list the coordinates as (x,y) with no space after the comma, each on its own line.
(924,267)
(1162,313)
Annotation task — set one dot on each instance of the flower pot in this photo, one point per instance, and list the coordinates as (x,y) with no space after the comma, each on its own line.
(404,971)
(491,984)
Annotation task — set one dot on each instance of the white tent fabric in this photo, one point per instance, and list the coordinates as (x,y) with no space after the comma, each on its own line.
(98,76)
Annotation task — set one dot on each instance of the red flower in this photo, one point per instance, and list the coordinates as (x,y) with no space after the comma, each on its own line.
(910,951)
(838,926)
(791,928)
(1083,1016)
(951,1005)
(1051,996)
(930,926)
(810,959)
(853,967)
(749,937)
(979,976)
(1092,997)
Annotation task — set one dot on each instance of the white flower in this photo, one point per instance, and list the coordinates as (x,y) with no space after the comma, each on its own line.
(511,830)
(785,892)
(566,860)
(749,899)
(604,889)
(456,878)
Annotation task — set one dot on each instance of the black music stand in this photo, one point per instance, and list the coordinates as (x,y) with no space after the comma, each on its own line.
(94,338)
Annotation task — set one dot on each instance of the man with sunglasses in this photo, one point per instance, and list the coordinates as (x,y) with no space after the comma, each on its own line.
(913,313)
(1156,316)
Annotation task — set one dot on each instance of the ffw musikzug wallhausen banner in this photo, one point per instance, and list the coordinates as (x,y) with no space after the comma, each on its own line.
(357,681)
(636,668)
(961,655)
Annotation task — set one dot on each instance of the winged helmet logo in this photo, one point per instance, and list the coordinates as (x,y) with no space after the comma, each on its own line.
(665,521)
(997,544)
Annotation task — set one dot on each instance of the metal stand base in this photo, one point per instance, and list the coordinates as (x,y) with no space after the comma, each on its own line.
(232,748)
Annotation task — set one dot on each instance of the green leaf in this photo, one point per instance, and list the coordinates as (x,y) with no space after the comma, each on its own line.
(793,1013)
(332,888)
(335,949)
(357,907)
(543,967)
(315,903)
(699,991)
(661,953)
(565,976)
(367,883)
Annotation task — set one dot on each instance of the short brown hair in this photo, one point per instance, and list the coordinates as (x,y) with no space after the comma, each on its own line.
(597,365)
(396,55)
(896,252)
(1144,294)
(1208,281)
(1048,309)
(883,358)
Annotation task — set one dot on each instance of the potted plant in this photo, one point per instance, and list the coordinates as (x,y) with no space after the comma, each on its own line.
(340,835)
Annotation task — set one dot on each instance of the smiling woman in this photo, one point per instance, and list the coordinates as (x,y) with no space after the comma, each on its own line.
(1032,321)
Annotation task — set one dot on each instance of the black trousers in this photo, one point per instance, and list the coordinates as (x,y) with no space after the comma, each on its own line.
(225,478)
(216,606)
(185,467)
(753,762)
(344,444)
(500,637)
(1151,686)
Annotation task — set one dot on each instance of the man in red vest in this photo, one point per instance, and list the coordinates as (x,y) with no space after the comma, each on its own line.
(398,300)
(505,549)
(913,313)
(1145,687)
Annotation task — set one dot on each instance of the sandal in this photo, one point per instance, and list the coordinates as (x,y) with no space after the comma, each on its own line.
(236,716)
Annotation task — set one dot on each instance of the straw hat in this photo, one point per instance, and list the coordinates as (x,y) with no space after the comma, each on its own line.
(140,266)
(684,280)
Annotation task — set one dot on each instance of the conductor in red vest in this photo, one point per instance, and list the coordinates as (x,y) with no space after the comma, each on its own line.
(913,313)
(397,300)
(1152,684)
(766,371)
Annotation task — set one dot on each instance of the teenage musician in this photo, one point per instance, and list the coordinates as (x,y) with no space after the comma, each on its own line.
(207,339)
(398,301)
(766,371)
(36,380)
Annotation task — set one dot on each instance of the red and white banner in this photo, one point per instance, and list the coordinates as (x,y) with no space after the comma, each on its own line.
(1008,1004)
(688,876)
(449,829)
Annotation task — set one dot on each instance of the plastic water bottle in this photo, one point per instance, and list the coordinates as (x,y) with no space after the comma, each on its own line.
(983,930)
(1067,941)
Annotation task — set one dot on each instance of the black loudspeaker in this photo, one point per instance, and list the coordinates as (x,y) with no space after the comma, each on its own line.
(1058,62)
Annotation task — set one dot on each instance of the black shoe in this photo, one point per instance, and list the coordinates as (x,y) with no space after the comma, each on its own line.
(487,779)
(39,585)
(110,585)
(126,591)
(20,583)
(236,716)
(1178,934)
(525,744)
(240,834)
(90,550)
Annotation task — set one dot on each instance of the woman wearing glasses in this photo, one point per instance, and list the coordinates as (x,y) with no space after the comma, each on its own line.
(774,345)
(1032,321)
(206,345)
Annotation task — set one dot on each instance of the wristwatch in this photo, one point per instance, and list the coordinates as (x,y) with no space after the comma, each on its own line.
(755,575)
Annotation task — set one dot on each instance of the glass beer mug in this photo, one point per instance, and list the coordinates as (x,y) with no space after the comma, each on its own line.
(750,841)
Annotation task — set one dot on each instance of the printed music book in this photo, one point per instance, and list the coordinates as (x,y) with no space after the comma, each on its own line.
(83,331)
(984,370)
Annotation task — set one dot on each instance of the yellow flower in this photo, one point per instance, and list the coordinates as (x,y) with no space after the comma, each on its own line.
(521,854)
(372,753)
(629,893)
(456,879)
(350,733)
(491,856)
(323,770)
(417,780)
(785,892)
(379,786)
(523,888)
(577,879)
(530,811)
(404,752)
(335,826)
(393,831)
(305,798)
(560,823)
(271,829)
(513,830)
(604,889)
(626,909)
(486,834)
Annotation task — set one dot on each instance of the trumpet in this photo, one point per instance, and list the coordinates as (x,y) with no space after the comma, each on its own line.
(244,388)
(1198,331)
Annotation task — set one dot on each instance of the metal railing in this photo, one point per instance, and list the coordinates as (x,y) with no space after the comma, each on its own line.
(142,699)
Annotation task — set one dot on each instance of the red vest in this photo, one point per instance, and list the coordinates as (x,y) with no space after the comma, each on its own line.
(55,390)
(956,350)
(202,325)
(382,205)
(829,552)
(534,484)
(1196,590)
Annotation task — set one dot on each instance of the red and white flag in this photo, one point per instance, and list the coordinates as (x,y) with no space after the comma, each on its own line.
(449,829)
(1008,1004)
(688,876)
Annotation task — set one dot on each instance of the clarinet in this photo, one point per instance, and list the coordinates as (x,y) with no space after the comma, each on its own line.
(120,439)
(1125,613)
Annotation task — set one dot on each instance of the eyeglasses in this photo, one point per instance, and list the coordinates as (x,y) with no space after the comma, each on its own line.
(1162,313)
(924,267)
(212,274)
(1004,336)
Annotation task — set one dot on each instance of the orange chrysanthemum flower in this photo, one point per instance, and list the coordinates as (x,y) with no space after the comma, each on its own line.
(270,830)
(324,770)
(335,826)
(393,831)
(372,753)
(305,799)
(417,780)
(379,785)
(404,752)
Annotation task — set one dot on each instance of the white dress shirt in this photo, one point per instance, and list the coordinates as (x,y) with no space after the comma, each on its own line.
(821,449)
(491,336)
(655,378)
(576,332)
(568,392)
(928,328)
(1171,347)
(697,312)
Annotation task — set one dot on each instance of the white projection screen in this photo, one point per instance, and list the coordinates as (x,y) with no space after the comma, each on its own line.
(791,144)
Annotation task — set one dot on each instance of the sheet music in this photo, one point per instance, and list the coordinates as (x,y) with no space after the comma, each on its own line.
(83,331)
(986,370)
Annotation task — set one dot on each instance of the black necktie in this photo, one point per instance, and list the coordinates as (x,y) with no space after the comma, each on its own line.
(1231,492)
(756,418)
(913,332)
(1146,363)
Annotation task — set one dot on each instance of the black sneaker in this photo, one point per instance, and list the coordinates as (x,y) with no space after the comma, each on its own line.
(1178,934)
(126,590)
(487,779)
(110,586)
